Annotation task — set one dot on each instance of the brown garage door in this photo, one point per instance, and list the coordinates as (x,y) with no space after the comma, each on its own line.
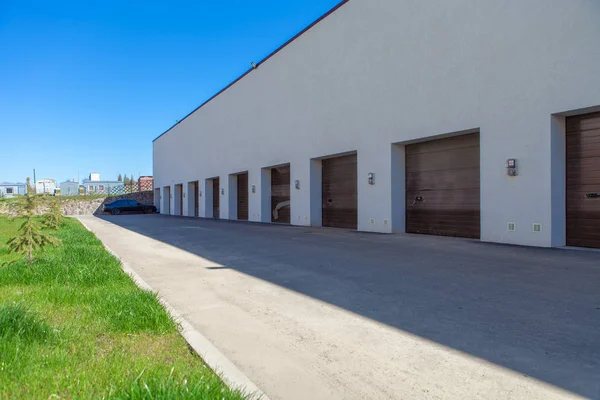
(179,194)
(583,181)
(339,202)
(280,195)
(216,198)
(167,199)
(442,187)
(242,197)
(196,200)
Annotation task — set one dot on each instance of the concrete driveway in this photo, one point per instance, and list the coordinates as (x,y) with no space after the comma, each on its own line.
(314,313)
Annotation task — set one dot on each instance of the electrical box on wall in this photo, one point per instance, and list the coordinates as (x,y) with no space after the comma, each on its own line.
(511,167)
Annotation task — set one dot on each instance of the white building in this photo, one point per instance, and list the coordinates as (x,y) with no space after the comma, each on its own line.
(45,186)
(426,101)
(95,185)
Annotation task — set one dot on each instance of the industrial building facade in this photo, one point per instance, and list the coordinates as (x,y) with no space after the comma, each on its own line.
(461,118)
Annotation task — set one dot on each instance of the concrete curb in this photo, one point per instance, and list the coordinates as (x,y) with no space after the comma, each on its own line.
(221,365)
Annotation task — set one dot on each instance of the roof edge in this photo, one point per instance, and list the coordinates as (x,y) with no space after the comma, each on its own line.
(296,36)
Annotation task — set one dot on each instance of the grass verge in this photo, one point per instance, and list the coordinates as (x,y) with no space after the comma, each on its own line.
(75,326)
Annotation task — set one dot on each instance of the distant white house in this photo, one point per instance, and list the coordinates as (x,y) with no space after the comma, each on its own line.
(95,185)
(11,189)
(45,186)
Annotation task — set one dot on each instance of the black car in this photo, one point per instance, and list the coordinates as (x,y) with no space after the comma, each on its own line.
(118,206)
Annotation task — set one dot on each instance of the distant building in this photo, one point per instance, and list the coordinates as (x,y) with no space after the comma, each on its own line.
(69,188)
(9,189)
(95,185)
(146,183)
(45,186)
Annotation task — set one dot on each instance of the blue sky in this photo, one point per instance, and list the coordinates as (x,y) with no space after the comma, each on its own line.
(86,86)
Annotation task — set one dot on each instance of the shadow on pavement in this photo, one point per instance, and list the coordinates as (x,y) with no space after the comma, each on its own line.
(535,311)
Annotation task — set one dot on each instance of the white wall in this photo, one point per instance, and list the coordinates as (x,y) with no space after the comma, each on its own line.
(45,186)
(378,72)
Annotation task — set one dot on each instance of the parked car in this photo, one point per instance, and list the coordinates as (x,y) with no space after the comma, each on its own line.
(118,206)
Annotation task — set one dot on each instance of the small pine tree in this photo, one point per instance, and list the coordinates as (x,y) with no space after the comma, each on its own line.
(30,237)
(120,178)
(54,218)
(27,204)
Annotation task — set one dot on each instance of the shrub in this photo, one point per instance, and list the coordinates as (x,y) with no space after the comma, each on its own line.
(30,237)
(54,218)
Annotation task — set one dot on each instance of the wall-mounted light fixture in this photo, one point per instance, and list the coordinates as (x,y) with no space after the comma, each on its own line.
(297,184)
(222,191)
(511,167)
(253,188)
(200,193)
(371,178)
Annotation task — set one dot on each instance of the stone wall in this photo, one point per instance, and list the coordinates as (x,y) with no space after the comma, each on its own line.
(81,205)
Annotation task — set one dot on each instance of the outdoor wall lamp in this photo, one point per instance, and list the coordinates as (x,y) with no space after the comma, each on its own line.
(371,178)
(253,188)
(200,193)
(222,191)
(297,184)
(511,167)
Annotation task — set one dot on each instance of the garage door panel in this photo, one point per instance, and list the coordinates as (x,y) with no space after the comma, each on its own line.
(242,192)
(587,138)
(584,189)
(441,145)
(440,180)
(445,199)
(578,136)
(581,215)
(581,198)
(341,203)
(584,151)
(583,177)
(458,223)
(590,163)
(423,225)
(587,232)
(467,157)
(583,232)
(588,208)
(443,187)
(583,122)
(339,192)
(216,199)
(444,217)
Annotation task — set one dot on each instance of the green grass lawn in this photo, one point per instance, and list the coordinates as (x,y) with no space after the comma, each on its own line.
(75,326)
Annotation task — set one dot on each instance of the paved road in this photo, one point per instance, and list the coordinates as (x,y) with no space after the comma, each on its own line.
(311,313)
